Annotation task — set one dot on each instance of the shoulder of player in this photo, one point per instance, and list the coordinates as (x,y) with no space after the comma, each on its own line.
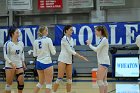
(48,39)
(36,41)
(63,39)
(105,40)
(7,43)
(21,43)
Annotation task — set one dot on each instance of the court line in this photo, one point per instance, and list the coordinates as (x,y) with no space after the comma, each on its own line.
(112,91)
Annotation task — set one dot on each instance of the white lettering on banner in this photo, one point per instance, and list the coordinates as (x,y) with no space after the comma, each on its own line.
(21,35)
(81,34)
(130,32)
(74,32)
(29,34)
(122,33)
(113,33)
(2,32)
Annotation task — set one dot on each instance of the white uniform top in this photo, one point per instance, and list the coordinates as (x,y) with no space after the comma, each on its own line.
(42,48)
(102,51)
(67,50)
(14,53)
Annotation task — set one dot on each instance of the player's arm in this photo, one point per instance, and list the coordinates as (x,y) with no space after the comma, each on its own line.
(70,50)
(23,57)
(6,49)
(67,46)
(34,49)
(51,47)
(103,43)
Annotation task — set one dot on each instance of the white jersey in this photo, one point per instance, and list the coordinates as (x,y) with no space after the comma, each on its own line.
(67,50)
(14,53)
(102,51)
(42,48)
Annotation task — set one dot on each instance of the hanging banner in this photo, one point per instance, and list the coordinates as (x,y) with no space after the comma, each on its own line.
(51,4)
(119,33)
(111,2)
(80,3)
(18,5)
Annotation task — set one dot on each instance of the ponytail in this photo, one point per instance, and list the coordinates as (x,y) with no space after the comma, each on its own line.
(7,37)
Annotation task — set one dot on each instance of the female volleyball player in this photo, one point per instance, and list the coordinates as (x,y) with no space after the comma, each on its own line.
(65,58)
(42,48)
(14,57)
(102,56)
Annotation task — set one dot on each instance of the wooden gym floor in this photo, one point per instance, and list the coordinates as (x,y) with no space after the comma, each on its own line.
(82,85)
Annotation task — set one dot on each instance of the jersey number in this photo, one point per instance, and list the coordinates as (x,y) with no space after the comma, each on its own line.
(40,44)
(17,51)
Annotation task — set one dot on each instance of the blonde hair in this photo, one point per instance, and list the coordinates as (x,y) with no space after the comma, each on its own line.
(103,30)
(41,29)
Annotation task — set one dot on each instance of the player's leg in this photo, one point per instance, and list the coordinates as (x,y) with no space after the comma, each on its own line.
(9,73)
(48,73)
(105,82)
(100,76)
(20,79)
(41,81)
(61,71)
(69,77)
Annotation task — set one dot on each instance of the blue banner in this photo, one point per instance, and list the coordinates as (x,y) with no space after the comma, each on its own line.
(119,33)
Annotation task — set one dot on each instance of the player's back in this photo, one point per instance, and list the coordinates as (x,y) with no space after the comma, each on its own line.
(43,46)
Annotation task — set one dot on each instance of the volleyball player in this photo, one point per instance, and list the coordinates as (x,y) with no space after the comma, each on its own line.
(102,56)
(14,57)
(42,49)
(65,59)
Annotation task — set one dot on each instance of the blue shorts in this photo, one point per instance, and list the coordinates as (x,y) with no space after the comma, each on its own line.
(105,65)
(41,66)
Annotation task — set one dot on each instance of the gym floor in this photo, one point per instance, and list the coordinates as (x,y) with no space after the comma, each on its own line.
(82,85)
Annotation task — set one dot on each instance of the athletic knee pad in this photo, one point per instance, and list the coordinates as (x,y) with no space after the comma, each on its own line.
(8,87)
(69,81)
(39,85)
(17,75)
(20,87)
(58,81)
(49,86)
(105,83)
(100,83)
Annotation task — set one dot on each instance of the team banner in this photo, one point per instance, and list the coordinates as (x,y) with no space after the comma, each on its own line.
(119,33)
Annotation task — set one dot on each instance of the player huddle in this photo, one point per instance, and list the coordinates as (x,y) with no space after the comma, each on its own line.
(42,50)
